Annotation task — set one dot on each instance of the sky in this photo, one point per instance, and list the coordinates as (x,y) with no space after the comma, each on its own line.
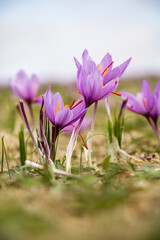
(43,36)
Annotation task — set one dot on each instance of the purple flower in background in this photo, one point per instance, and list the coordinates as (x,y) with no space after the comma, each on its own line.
(142,103)
(155,112)
(145,104)
(90,81)
(84,126)
(26,87)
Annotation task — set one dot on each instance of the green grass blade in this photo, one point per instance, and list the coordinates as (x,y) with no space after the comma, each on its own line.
(22,148)
(2,161)
(6,157)
(110,131)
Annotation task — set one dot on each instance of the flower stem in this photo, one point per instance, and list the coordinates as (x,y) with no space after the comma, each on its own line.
(89,142)
(155,128)
(43,140)
(29,130)
(31,113)
(72,144)
(55,132)
(108,109)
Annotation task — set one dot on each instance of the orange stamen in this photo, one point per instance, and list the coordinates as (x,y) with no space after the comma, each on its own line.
(76,105)
(66,106)
(57,109)
(81,137)
(140,102)
(145,102)
(98,68)
(117,94)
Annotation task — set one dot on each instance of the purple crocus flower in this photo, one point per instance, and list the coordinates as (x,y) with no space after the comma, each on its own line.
(61,115)
(145,104)
(84,126)
(155,112)
(26,87)
(142,103)
(96,82)
(90,81)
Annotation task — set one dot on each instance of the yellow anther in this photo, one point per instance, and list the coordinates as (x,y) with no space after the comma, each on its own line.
(66,106)
(105,72)
(145,102)
(103,86)
(98,68)
(57,109)
(140,102)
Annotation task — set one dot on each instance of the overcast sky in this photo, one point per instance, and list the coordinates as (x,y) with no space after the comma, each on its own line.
(42,36)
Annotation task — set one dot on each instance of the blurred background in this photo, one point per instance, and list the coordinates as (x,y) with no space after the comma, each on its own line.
(42,36)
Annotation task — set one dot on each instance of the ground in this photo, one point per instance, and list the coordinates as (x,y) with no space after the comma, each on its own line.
(119,202)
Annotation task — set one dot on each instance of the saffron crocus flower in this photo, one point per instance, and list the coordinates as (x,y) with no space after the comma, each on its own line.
(145,104)
(90,81)
(155,112)
(26,88)
(142,103)
(96,82)
(84,126)
(61,115)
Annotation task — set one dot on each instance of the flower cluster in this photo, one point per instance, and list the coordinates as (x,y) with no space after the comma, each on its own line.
(94,83)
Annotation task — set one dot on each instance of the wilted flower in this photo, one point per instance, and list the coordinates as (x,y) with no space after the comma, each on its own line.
(145,104)
(26,87)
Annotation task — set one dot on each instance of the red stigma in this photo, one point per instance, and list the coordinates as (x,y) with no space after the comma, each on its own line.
(72,107)
(79,93)
(107,67)
(116,82)
(117,94)
(81,137)
(72,103)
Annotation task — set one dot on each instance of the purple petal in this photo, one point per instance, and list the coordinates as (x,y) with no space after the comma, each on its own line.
(106,61)
(50,112)
(133,105)
(108,89)
(157,90)
(63,117)
(147,94)
(116,72)
(77,63)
